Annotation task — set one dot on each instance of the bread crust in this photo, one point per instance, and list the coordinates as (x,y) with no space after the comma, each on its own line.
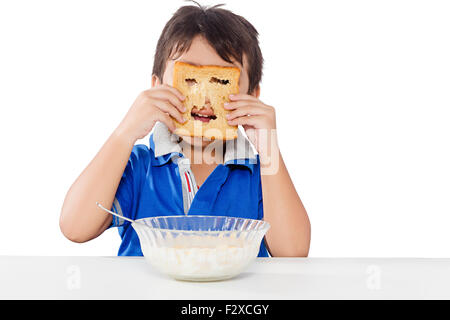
(213,82)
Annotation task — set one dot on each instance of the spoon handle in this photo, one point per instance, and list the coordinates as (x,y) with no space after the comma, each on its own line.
(113,213)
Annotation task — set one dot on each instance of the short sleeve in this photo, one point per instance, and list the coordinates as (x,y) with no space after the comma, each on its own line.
(127,194)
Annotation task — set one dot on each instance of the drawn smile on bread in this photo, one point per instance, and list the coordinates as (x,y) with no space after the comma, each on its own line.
(204,115)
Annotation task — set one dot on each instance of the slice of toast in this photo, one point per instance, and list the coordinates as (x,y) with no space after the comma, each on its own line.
(199,84)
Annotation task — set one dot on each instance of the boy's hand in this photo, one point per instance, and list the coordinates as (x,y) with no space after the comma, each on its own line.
(160,103)
(258,121)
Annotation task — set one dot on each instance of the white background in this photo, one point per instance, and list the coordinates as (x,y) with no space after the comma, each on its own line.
(361,90)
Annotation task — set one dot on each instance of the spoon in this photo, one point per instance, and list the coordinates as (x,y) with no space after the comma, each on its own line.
(115,214)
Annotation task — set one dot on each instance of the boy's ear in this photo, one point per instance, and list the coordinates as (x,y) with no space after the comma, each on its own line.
(257,92)
(155,81)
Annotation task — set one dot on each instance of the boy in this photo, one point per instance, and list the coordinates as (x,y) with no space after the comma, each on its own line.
(230,179)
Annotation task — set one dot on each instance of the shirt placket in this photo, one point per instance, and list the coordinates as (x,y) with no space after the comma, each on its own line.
(188,183)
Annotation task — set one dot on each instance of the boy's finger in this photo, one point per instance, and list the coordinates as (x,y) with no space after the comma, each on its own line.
(167,120)
(174,91)
(242,96)
(245,111)
(254,121)
(169,96)
(170,109)
(235,105)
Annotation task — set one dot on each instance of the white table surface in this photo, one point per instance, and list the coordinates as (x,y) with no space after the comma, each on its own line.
(267,278)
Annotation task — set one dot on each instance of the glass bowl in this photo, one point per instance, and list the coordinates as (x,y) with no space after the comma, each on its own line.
(200,248)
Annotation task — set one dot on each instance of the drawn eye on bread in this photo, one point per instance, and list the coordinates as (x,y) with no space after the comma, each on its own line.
(193,82)
(206,89)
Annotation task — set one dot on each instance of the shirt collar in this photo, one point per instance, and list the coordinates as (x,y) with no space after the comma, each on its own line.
(165,146)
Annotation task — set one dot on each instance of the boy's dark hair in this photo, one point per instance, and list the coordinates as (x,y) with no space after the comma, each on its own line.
(230,35)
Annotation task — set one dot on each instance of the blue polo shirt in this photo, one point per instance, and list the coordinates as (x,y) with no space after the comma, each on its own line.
(151,187)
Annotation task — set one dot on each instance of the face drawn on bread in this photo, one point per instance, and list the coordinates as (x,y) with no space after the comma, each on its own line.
(206,89)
